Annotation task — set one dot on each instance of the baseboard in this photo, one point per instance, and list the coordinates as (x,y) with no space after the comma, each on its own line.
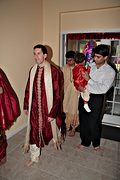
(112,133)
(111,120)
(10,134)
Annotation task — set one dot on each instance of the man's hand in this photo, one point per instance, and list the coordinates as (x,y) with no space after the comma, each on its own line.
(50,119)
(26,112)
(1,90)
(26,148)
(86,76)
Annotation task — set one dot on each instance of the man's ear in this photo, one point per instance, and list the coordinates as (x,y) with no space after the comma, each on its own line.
(106,57)
(45,55)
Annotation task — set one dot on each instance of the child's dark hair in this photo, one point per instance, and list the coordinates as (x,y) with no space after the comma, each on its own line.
(79,58)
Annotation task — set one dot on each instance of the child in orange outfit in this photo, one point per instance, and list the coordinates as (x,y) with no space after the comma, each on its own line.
(78,79)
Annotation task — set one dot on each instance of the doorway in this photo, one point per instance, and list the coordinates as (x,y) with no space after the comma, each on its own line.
(83,40)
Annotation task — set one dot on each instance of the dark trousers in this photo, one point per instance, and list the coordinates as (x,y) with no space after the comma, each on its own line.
(90,122)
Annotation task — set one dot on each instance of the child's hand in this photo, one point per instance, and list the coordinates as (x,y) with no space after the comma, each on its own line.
(81,89)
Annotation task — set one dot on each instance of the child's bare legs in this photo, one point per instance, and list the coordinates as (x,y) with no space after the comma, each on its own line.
(86,96)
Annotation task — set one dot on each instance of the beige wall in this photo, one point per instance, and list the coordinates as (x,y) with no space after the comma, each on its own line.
(20,29)
(74,15)
(91,20)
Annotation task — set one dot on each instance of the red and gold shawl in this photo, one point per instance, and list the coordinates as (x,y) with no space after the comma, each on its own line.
(9,104)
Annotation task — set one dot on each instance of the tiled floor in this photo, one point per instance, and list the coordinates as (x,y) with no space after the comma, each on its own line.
(66,164)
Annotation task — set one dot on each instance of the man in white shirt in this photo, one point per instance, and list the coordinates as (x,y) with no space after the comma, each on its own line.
(100,80)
